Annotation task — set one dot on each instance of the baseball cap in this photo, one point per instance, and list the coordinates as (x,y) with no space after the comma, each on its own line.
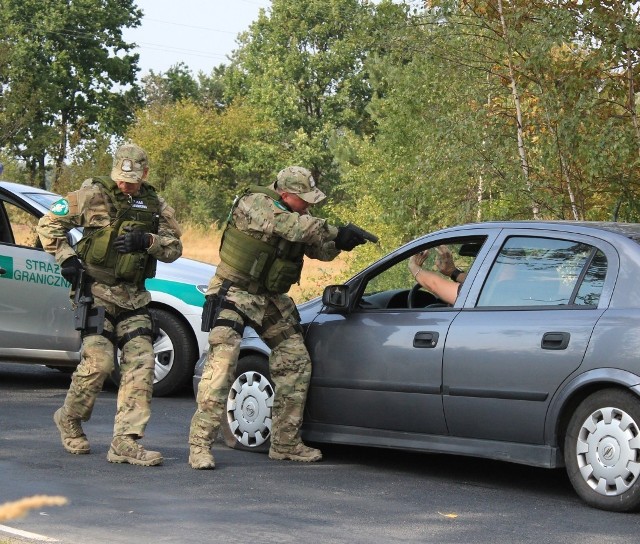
(129,164)
(299,181)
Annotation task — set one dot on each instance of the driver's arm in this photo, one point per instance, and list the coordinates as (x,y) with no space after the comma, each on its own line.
(446,290)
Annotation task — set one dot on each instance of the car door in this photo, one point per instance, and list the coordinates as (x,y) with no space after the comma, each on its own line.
(36,322)
(522,332)
(380,366)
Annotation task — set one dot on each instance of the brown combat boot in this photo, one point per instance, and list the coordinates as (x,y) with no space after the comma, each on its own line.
(124,449)
(73,438)
(200,458)
(298,452)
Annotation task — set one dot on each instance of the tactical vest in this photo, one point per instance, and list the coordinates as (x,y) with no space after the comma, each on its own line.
(255,265)
(103,262)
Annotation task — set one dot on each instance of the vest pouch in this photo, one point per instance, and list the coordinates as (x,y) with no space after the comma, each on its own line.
(245,254)
(94,248)
(131,267)
(282,275)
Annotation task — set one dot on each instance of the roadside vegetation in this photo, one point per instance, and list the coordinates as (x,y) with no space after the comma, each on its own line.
(412,115)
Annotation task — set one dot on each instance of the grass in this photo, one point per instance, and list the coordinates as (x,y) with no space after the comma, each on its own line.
(203,244)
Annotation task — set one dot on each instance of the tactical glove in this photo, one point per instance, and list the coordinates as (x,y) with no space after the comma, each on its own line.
(71,268)
(347,239)
(132,240)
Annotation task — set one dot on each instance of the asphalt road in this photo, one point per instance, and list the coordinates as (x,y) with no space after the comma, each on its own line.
(355,495)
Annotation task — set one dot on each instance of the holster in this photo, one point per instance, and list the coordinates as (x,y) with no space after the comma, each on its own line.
(209,312)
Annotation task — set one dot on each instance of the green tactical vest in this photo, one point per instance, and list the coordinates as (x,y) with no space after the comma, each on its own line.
(256,265)
(95,249)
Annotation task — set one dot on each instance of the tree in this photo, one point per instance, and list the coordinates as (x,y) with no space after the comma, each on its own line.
(70,76)
(201,158)
(177,84)
(302,67)
(502,109)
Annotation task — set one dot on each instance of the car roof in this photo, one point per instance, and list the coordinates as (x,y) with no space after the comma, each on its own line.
(628,230)
(21,188)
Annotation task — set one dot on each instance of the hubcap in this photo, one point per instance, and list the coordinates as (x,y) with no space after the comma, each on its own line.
(249,409)
(164,354)
(608,451)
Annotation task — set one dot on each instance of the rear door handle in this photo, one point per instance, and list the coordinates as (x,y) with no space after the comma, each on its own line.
(425,339)
(555,340)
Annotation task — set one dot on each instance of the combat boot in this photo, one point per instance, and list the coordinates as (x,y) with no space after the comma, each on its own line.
(124,449)
(200,458)
(297,452)
(73,438)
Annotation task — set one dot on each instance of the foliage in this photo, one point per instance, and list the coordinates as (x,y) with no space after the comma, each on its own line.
(177,84)
(67,77)
(501,110)
(301,67)
(200,158)
(412,116)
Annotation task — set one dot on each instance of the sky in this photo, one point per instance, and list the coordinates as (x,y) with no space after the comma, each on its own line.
(200,33)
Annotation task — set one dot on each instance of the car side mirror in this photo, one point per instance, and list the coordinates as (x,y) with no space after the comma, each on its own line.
(336,296)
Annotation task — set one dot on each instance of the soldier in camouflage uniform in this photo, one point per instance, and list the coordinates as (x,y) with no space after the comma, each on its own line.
(127,228)
(269,231)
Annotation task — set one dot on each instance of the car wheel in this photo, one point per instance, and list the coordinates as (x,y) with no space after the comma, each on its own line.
(602,450)
(174,351)
(246,423)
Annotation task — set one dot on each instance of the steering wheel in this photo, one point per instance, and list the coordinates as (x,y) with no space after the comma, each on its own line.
(412,298)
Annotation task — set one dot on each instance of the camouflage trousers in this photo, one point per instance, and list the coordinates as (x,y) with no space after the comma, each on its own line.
(289,366)
(137,363)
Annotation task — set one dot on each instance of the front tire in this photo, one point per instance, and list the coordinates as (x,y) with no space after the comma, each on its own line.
(602,450)
(246,422)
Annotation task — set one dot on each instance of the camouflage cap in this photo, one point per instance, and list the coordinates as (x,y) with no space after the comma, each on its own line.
(129,164)
(299,181)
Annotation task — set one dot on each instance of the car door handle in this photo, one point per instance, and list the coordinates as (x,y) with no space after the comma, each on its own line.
(555,340)
(425,339)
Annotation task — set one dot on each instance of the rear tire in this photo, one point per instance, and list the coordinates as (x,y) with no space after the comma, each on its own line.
(246,422)
(602,450)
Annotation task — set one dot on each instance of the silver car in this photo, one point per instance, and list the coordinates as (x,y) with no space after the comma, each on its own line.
(36,321)
(537,361)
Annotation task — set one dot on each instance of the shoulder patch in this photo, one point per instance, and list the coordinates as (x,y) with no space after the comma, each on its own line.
(60,207)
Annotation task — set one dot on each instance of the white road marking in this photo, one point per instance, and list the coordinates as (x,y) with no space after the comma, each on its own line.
(26,534)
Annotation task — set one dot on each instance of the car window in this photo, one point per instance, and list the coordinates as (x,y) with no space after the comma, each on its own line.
(593,282)
(21,227)
(532,271)
(390,288)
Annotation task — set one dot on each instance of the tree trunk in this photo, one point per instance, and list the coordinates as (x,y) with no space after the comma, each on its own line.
(632,98)
(524,163)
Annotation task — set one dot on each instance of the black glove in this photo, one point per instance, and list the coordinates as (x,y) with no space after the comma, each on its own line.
(133,240)
(70,269)
(347,239)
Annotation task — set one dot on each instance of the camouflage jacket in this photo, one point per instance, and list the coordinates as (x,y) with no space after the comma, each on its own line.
(263,218)
(87,207)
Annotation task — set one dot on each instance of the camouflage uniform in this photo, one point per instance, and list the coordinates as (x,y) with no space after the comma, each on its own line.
(127,323)
(275,318)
